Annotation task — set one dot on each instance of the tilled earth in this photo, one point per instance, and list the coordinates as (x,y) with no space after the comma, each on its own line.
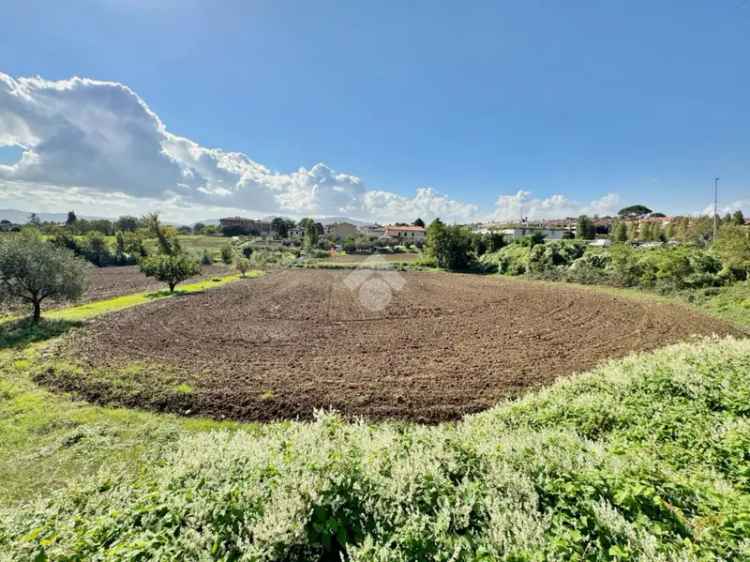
(293,341)
(108,282)
(115,281)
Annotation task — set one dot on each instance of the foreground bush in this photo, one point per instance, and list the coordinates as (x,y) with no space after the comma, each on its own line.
(645,459)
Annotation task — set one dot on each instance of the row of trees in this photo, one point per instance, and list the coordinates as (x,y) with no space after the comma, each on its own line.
(34,269)
(682,229)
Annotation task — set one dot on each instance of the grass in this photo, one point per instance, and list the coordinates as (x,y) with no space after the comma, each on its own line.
(642,459)
(89,310)
(196,244)
(23,332)
(730,303)
(48,440)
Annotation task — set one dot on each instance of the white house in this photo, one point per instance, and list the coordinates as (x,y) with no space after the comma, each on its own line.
(405,233)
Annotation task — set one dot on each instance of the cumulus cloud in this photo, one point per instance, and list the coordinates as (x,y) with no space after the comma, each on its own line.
(524,204)
(739,205)
(85,141)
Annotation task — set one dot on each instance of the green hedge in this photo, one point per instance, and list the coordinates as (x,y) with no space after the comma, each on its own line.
(647,458)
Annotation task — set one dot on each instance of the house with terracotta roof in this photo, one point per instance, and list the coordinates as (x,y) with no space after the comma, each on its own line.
(404,233)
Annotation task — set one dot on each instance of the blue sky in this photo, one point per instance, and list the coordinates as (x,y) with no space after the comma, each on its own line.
(600,103)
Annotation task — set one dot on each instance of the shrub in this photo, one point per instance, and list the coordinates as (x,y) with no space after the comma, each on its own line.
(243,266)
(589,269)
(553,256)
(206,258)
(227,254)
(511,260)
(733,246)
(170,269)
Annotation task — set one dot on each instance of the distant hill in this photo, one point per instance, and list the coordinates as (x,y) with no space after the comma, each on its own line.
(22,217)
(322,220)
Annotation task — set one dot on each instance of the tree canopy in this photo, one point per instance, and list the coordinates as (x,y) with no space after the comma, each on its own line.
(32,270)
(585,229)
(451,246)
(170,269)
(634,210)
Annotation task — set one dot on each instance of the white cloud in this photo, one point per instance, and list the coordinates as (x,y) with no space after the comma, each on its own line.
(739,205)
(97,147)
(524,204)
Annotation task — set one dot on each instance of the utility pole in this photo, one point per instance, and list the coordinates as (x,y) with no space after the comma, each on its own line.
(716,207)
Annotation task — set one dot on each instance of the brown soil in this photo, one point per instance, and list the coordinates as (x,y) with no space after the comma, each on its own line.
(356,258)
(108,282)
(447,344)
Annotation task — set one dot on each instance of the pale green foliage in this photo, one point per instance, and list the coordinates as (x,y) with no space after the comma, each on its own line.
(170,269)
(733,246)
(643,459)
(32,270)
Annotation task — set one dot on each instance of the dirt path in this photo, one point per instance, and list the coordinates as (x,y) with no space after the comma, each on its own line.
(447,344)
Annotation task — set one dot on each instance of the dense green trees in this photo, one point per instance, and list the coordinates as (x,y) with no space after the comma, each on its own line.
(634,210)
(451,246)
(32,270)
(585,229)
(280,227)
(733,247)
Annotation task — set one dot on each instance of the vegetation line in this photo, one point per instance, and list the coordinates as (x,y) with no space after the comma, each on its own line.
(96,308)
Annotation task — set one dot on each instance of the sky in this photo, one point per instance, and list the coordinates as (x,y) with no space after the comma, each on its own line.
(380,111)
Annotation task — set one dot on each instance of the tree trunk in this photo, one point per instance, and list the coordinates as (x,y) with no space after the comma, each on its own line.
(171,287)
(37,315)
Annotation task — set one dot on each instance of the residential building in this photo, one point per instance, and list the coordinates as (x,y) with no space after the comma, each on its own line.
(404,233)
(549,233)
(372,230)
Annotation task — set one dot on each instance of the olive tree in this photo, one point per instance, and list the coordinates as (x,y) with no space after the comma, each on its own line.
(32,270)
(170,269)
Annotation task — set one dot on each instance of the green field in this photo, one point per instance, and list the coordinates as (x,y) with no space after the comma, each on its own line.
(196,244)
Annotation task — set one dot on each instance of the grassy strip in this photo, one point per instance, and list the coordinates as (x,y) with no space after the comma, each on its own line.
(376,266)
(643,459)
(89,310)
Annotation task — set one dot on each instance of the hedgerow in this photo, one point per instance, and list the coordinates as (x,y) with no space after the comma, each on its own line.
(665,269)
(647,458)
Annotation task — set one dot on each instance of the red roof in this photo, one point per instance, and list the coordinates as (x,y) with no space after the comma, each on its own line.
(405,228)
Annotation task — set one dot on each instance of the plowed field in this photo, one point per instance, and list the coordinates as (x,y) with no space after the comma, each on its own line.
(446,344)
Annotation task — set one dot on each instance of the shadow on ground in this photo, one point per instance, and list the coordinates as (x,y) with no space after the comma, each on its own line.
(20,333)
